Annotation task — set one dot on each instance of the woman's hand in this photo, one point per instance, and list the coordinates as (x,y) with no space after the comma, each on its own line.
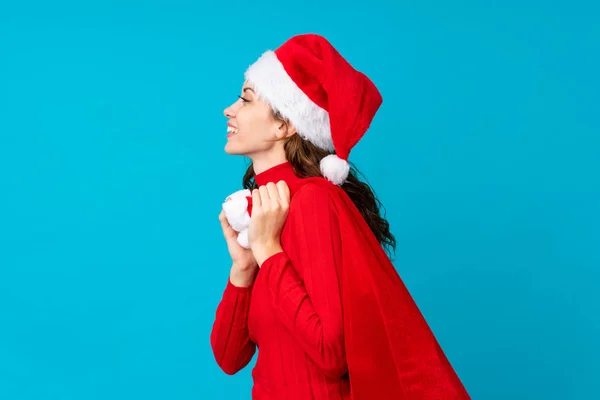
(244,265)
(270,204)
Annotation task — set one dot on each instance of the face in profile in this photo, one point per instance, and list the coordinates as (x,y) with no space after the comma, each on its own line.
(251,126)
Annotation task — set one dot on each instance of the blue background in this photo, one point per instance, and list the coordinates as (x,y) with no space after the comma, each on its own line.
(485,154)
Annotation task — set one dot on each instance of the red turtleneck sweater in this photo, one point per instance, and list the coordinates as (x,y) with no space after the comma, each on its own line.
(292,312)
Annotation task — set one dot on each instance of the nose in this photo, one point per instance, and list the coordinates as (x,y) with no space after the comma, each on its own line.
(230,111)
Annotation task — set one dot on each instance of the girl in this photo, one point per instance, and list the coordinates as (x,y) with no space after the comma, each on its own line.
(315,291)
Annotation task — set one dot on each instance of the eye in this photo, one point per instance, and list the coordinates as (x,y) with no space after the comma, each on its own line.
(245,100)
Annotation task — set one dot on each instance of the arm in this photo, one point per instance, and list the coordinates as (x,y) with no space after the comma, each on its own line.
(310,308)
(229,339)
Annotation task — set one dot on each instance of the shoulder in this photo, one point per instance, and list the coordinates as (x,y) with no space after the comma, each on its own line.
(313,207)
(314,190)
(315,197)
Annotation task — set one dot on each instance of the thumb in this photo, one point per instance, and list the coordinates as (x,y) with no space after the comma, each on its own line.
(228,231)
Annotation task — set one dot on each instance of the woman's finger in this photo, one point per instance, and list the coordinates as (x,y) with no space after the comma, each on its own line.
(265,199)
(284,193)
(223,220)
(273,194)
(228,231)
(256,200)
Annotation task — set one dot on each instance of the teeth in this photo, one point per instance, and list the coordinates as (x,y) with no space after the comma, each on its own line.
(232,129)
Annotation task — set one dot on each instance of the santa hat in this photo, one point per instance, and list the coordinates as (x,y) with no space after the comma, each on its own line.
(330,103)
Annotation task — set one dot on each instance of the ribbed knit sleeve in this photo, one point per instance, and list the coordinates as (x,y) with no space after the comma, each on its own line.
(230,340)
(306,296)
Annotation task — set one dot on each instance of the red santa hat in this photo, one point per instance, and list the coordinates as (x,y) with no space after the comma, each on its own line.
(330,103)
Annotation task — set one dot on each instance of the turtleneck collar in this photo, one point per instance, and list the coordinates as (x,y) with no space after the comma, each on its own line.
(279,172)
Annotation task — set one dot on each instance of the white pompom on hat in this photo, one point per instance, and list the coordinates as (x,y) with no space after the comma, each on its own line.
(334,168)
(330,103)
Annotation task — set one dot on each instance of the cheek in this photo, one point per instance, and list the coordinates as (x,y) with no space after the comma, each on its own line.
(252,124)
(243,119)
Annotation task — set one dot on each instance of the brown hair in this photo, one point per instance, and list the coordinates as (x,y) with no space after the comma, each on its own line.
(305,158)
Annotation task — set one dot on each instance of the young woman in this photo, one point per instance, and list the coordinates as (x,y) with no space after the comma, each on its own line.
(315,291)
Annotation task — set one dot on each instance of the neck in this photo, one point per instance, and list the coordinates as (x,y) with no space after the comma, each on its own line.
(261,164)
(283,171)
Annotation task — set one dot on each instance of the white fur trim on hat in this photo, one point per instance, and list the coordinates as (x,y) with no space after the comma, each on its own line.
(268,78)
(335,169)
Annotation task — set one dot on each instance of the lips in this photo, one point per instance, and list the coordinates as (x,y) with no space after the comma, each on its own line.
(231,130)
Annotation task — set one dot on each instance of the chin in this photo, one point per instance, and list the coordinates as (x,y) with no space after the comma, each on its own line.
(231,150)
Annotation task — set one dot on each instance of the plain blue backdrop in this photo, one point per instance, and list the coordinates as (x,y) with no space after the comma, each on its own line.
(485,154)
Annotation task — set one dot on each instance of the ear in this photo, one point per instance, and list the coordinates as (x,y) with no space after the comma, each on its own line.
(285,129)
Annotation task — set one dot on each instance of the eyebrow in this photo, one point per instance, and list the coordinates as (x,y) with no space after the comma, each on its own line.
(248,88)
